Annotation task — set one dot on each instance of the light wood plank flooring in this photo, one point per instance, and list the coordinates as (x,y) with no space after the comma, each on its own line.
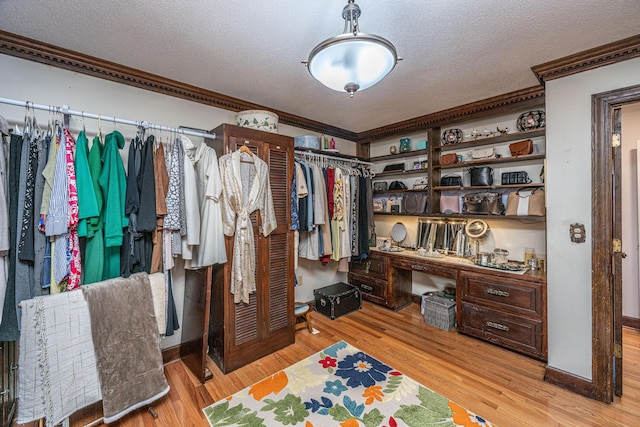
(500,385)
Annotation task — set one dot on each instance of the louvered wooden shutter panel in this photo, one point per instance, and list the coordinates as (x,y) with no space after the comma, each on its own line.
(247,314)
(280,187)
(278,278)
(246,320)
(279,250)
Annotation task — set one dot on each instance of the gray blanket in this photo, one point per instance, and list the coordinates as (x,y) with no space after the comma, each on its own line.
(127,344)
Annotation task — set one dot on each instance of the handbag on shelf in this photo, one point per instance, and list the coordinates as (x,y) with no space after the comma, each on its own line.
(451,181)
(483,203)
(483,153)
(414,203)
(397,185)
(448,159)
(380,186)
(481,176)
(449,204)
(421,183)
(526,203)
(521,148)
(393,204)
(379,205)
(396,167)
(510,178)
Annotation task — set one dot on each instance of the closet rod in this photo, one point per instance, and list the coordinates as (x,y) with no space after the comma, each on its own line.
(66,110)
(328,156)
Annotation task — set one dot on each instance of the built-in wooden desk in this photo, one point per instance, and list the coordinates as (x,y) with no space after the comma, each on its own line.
(506,308)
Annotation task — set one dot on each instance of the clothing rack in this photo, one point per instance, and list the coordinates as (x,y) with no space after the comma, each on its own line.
(142,124)
(309,154)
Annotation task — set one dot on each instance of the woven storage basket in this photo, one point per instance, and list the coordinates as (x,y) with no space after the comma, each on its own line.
(439,311)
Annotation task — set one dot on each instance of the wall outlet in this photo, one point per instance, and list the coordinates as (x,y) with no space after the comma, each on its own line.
(300,281)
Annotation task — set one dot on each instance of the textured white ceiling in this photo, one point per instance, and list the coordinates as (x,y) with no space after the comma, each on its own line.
(455,51)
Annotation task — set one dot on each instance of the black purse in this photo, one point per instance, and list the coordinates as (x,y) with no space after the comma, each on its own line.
(481,176)
(509,178)
(484,203)
(397,185)
(451,181)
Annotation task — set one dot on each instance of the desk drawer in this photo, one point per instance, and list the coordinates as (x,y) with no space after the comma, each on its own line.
(521,334)
(425,267)
(372,267)
(370,287)
(513,295)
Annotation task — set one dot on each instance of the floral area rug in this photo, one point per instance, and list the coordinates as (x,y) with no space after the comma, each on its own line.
(339,386)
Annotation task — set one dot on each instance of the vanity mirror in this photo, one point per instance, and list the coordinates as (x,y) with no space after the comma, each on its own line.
(445,236)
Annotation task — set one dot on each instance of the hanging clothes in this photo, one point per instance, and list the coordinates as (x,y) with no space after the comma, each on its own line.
(245,189)
(191,239)
(9,326)
(176,208)
(113,184)
(24,264)
(162,185)
(147,209)
(87,201)
(94,247)
(73,250)
(209,193)
(4,217)
(130,258)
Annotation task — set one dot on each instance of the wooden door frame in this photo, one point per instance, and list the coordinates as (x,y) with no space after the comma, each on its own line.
(602,105)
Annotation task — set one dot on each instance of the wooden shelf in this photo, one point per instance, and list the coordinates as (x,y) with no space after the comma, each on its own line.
(406,154)
(408,190)
(492,161)
(404,172)
(492,140)
(487,187)
(527,218)
(400,214)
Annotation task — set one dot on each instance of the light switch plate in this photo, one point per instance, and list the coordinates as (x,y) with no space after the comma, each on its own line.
(577,233)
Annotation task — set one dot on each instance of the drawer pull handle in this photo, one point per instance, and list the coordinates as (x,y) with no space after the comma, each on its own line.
(497,292)
(419,267)
(367,266)
(498,326)
(366,287)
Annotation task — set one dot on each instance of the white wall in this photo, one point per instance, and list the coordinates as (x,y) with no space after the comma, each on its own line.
(630,141)
(41,84)
(568,107)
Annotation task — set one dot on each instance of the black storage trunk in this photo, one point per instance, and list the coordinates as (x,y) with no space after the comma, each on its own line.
(337,300)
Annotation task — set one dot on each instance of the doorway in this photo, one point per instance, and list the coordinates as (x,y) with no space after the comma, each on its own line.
(606,255)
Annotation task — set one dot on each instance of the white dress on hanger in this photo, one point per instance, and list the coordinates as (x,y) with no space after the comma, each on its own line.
(212,249)
(192,208)
(245,189)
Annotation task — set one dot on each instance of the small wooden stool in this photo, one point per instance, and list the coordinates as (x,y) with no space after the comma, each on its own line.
(303,317)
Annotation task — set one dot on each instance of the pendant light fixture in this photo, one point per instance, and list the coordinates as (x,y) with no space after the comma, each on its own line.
(352,61)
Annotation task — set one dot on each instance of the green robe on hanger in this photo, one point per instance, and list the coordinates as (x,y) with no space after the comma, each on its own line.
(113,182)
(94,252)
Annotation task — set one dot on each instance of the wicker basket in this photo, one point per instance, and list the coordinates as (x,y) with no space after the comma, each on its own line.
(439,311)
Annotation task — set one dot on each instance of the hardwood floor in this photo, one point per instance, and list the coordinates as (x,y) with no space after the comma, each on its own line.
(500,385)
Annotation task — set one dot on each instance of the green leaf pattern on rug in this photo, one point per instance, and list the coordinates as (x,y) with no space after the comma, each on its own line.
(433,410)
(399,387)
(290,410)
(373,418)
(221,415)
(370,419)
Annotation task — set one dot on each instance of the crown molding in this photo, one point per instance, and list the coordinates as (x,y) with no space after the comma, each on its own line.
(520,99)
(33,50)
(607,54)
